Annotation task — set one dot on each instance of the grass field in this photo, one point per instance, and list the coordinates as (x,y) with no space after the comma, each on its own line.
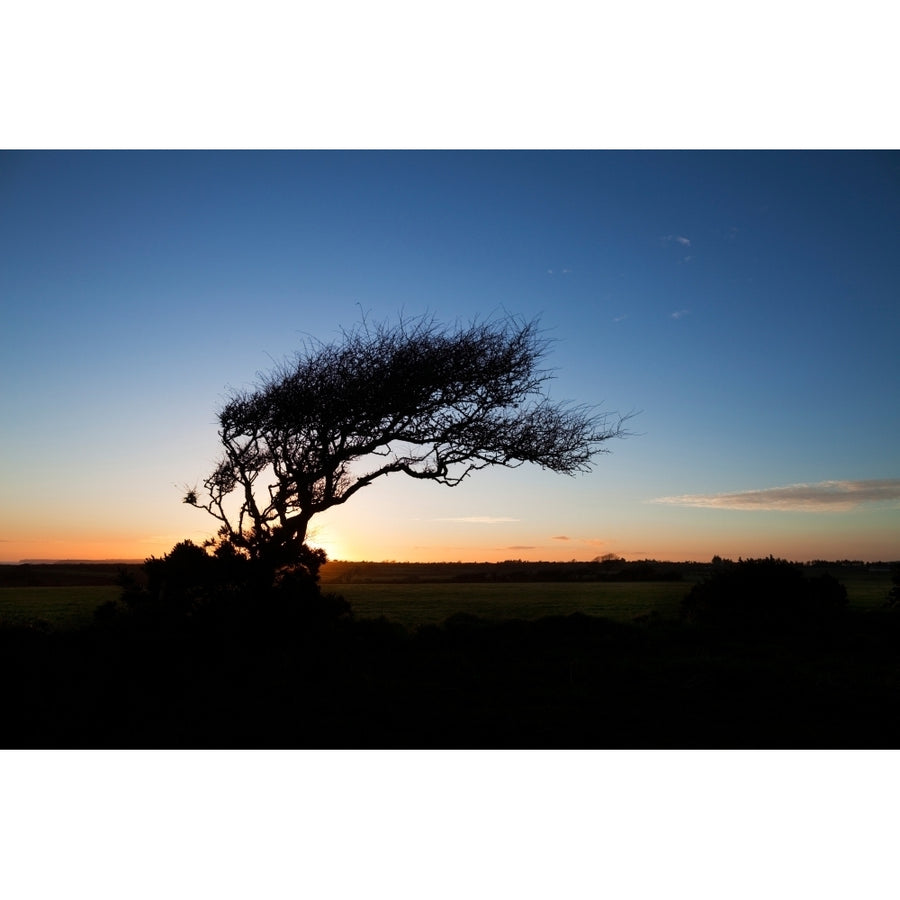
(422,604)
(426,604)
(62,607)
(413,604)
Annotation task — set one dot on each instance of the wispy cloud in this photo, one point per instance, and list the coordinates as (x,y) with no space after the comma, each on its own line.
(479,520)
(680,313)
(561,537)
(621,318)
(677,239)
(823,496)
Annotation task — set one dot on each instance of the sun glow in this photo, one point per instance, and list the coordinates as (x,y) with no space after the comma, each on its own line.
(326,539)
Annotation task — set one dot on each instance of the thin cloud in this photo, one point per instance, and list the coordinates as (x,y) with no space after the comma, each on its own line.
(680,313)
(479,520)
(823,496)
(620,318)
(677,239)
(582,541)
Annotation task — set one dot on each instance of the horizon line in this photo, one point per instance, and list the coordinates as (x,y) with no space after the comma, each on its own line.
(469,562)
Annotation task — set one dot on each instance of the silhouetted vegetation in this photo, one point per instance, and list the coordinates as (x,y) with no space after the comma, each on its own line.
(415,398)
(197,655)
(191,589)
(765,595)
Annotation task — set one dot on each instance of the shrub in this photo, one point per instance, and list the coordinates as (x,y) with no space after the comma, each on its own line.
(225,589)
(764,595)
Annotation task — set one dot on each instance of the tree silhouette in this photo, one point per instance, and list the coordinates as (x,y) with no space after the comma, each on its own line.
(413,397)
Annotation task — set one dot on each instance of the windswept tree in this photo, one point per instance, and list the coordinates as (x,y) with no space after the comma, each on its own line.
(413,397)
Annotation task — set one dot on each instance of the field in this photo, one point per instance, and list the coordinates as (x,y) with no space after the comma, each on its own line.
(430,604)
(62,607)
(409,604)
(424,603)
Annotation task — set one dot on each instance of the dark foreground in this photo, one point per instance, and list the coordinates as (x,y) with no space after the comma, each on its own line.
(562,682)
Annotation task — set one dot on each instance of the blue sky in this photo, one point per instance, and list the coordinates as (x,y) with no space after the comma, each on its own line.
(746,303)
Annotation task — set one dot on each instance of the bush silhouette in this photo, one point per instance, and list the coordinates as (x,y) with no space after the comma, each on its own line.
(192,588)
(764,595)
(184,567)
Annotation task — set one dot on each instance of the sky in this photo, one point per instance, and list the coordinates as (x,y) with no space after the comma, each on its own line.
(743,304)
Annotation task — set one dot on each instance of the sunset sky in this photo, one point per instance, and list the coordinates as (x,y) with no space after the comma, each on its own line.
(745,303)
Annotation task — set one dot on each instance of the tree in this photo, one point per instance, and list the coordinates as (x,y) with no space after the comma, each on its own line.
(414,397)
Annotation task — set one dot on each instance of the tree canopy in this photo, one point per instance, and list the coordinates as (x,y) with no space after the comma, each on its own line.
(414,397)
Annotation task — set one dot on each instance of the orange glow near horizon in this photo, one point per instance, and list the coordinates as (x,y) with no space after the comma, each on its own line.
(488,545)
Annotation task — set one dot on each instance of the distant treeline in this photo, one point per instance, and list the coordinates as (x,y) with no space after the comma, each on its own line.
(606,569)
(65,574)
(68,574)
(339,572)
